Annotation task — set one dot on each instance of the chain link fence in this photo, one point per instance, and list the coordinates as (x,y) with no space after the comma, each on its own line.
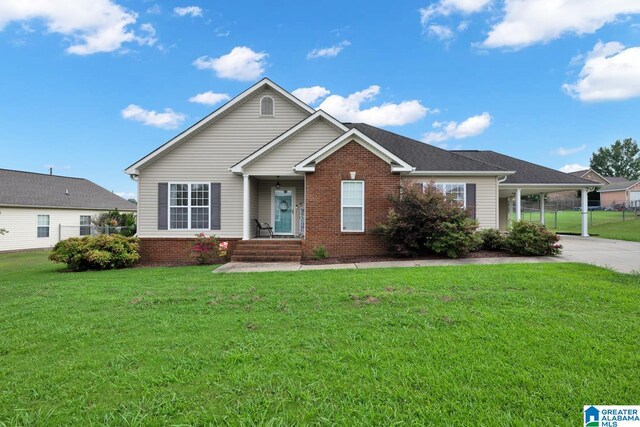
(67,231)
(570,221)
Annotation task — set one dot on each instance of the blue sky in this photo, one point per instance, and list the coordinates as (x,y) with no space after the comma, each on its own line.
(90,87)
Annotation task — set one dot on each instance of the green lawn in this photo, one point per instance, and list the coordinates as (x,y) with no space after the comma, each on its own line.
(471,345)
(608,225)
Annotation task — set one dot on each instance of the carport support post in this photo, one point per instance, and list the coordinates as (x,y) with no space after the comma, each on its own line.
(585,212)
(518,204)
(542,208)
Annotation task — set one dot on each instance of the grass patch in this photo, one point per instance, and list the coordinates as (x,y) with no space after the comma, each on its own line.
(470,345)
(607,225)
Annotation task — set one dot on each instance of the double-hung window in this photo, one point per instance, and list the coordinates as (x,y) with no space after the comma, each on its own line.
(43,225)
(352,206)
(454,192)
(85,225)
(189,206)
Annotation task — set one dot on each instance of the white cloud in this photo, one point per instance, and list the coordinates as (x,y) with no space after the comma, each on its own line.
(472,126)
(154,10)
(528,22)
(309,95)
(442,32)
(241,63)
(562,151)
(149,39)
(447,7)
(328,52)
(126,194)
(349,109)
(91,26)
(573,167)
(610,73)
(188,10)
(209,98)
(168,119)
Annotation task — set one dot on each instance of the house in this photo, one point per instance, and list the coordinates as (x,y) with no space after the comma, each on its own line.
(567,200)
(620,193)
(38,210)
(267,157)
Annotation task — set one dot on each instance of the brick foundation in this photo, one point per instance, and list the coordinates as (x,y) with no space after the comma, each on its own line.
(173,251)
(323,202)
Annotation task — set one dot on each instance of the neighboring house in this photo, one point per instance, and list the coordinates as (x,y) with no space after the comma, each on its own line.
(38,210)
(571,199)
(266,156)
(621,193)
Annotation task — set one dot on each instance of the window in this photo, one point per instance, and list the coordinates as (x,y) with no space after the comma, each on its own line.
(43,225)
(85,225)
(267,106)
(352,205)
(455,192)
(189,206)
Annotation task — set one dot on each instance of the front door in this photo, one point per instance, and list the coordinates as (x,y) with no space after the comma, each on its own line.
(283,211)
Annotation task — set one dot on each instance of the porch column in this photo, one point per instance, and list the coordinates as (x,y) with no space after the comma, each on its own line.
(585,212)
(518,204)
(246,208)
(542,208)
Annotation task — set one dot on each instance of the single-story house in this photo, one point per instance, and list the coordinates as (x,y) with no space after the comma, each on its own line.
(621,193)
(267,157)
(38,210)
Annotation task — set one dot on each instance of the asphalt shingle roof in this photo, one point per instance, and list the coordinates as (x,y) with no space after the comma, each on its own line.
(19,188)
(526,172)
(423,157)
(619,186)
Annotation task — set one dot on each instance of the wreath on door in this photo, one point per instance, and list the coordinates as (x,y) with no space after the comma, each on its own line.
(284,206)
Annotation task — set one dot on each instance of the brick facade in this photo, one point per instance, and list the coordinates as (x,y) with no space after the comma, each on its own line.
(323,202)
(173,251)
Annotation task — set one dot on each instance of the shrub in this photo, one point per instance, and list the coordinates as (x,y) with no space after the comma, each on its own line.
(96,253)
(492,239)
(207,249)
(527,238)
(320,252)
(426,221)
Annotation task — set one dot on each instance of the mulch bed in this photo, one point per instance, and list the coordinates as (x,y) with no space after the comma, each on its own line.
(358,259)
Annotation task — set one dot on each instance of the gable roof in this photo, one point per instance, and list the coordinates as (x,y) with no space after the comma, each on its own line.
(424,157)
(618,186)
(582,173)
(526,172)
(265,82)
(319,114)
(41,190)
(614,179)
(397,164)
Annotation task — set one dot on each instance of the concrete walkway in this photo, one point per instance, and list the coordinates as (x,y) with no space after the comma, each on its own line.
(618,255)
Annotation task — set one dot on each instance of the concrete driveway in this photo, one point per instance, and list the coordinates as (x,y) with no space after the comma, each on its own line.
(616,254)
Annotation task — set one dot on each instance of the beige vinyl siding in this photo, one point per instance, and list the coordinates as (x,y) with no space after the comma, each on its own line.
(265,198)
(22,226)
(207,157)
(486,195)
(281,159)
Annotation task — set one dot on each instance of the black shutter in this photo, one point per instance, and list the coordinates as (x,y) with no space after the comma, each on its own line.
(471,200)
(163,203)
(215,206)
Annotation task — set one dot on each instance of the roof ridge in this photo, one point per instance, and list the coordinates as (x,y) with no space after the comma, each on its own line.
(43,174)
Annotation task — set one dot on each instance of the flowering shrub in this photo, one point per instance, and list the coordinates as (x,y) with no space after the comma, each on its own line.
(527,238)
(207,249)
(96,253)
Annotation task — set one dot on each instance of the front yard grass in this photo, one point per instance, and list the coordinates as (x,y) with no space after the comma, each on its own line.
(470,345)
(607,225)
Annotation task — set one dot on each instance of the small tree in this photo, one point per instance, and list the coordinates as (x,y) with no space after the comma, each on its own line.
(115,218)
(621,159)
(426,221)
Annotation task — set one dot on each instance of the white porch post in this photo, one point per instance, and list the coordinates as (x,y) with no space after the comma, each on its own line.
(585,213)
(246,209)
(518,204)
(542,208)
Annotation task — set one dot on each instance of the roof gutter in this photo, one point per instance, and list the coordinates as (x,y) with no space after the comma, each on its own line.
(465,173)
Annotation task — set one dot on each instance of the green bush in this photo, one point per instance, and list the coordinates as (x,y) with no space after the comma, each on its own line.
(492,239)
(320,252)
(527,238)
(96,253)
(123,223)
(425,221)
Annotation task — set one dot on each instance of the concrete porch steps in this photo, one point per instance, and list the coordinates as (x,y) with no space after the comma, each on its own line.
(268,250)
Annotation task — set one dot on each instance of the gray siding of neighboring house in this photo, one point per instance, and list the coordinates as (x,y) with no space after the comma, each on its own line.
(207,156)
(281,159)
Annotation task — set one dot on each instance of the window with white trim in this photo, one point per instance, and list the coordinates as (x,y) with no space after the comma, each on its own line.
(85,225)
(453,191)
(267,106)
(352,206)
(189,206)
(43,225)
